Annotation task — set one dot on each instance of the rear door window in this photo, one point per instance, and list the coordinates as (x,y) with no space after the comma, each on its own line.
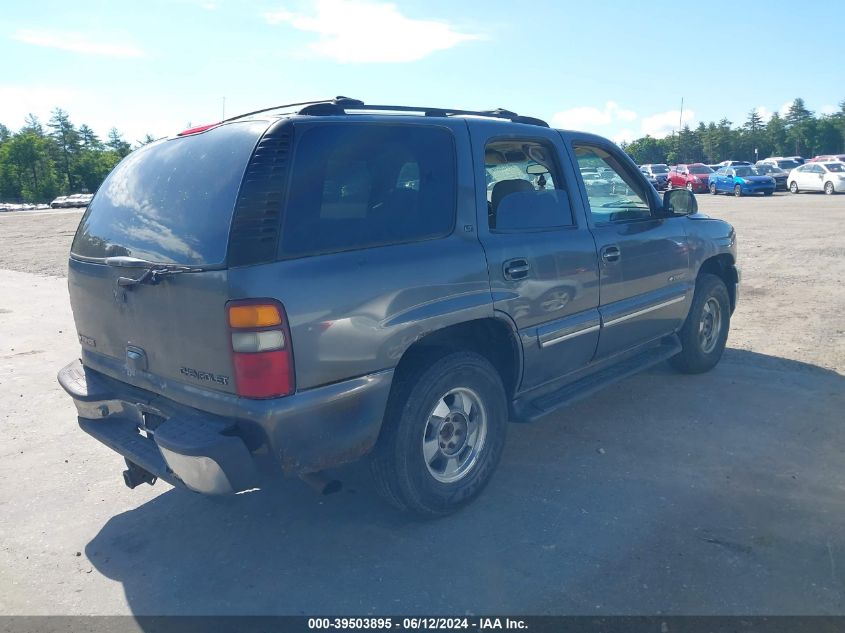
(170,201)
(359,185)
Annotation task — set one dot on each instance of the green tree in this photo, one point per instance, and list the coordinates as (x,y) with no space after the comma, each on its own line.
(88,138)
(776,135)
(117,144)
(799,127)
(67,145)
(27,169)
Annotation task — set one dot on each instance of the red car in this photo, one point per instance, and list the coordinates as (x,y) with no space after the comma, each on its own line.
(826,158)
(695,177)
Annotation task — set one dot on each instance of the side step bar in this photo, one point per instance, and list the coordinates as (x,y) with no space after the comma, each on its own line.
(531,410)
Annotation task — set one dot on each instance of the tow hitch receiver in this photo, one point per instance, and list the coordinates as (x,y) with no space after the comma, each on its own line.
(134,476)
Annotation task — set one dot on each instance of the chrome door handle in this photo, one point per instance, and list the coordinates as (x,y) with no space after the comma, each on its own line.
(611,254)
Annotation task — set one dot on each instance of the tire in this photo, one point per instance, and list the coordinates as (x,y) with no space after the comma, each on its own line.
(737,191)
(713,189)
(705,330)
(768,193)
(828,188)
(689,187)
(668,185)
(793,187)
(425,461)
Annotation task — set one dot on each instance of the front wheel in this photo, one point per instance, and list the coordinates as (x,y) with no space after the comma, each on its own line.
(705,332)
(737,191)
(443,435)
(828,188)
(713,188)
(689,186)
(793,187)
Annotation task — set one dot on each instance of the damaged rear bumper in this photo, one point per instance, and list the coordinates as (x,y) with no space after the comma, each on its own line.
(217,454)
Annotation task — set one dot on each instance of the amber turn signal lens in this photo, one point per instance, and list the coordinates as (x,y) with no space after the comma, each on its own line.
(251,316)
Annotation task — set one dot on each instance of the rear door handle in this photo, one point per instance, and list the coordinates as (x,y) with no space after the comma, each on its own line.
(516,269)
(611,253)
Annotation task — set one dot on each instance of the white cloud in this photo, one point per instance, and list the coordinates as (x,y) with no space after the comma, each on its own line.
(784,109)
(587,117)
(664,123)
(362,31)
(76,42)
(828,109)
(764,113)
(625,136)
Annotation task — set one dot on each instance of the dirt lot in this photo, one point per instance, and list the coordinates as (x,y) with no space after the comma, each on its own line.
(714,494)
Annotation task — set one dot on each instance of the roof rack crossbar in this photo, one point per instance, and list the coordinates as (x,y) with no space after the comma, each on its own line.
(342,105)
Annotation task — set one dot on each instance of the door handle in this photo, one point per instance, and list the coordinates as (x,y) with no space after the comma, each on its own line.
(516,269)
(611,254)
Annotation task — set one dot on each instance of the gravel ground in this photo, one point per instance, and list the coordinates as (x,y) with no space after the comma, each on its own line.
(715,494)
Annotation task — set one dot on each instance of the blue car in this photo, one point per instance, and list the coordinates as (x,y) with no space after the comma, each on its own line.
(742,180)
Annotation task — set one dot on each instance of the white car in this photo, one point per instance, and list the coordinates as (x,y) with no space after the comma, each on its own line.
(827,177)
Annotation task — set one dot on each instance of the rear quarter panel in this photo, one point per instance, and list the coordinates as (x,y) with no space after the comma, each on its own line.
(357,312)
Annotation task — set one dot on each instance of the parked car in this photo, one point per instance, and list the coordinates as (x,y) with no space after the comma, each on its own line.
(742,180)
(694,176)
(786,164)
(732,163)
(826,158)
(660,171)
(775,172)
(798,159)
(371,318)
(827,177)
(59,202)
(651,179)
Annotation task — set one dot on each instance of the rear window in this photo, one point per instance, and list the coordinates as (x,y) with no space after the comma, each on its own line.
(170,201)
(357,185)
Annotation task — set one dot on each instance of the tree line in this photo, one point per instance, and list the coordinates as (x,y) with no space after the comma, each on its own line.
(799,132)
(40,162)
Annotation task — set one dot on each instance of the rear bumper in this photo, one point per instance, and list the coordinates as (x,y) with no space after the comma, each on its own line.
(216,454)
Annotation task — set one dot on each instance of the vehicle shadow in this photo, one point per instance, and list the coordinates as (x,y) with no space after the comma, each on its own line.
(709,494)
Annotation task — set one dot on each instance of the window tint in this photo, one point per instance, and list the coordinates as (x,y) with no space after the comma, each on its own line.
(170,201)
(616,196)
(524,188)
(357,185)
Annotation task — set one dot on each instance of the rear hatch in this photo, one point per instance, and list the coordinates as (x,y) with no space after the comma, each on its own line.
(169,204)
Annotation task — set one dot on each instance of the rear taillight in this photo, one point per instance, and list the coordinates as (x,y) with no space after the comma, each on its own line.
(261,351)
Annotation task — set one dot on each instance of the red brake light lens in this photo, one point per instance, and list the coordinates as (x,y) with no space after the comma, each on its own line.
(261,353)
(197,130)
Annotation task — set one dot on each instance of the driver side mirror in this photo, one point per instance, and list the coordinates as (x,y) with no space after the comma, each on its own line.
(679,202)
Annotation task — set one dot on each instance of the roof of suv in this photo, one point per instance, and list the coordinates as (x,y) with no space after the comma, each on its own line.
(345,105)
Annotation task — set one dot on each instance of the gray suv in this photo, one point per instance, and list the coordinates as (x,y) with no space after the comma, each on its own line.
(285,292)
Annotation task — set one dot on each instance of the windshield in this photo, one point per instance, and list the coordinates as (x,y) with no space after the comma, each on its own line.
(768,169)
(745,172)
(659,169)
(837,167)
(700,169)
(788,164)
(171,201)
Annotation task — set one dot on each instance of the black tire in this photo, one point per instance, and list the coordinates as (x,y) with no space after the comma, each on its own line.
(768,193)
(689,187)
(828,188)
(696,358)
(737,191)
(793,187)
(668,185)
(397,464)
(713,189)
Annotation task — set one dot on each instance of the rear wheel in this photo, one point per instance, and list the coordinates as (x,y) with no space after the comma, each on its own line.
(793,187)
(828,188)
(705,331)
(713,188)
(443,435)
(737,191)
(669,185)
(689,186)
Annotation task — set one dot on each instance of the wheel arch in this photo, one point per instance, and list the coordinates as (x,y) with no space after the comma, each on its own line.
(724,267)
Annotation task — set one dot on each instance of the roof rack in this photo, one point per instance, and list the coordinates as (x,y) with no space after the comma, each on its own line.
(341,105)
(336,101)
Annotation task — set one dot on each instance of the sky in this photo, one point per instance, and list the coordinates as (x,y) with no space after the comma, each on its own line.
(619,69)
